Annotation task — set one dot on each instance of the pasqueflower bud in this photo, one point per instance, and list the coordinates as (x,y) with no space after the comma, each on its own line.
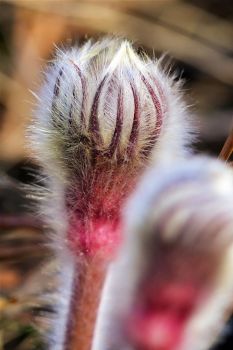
(177,255)
(104,114)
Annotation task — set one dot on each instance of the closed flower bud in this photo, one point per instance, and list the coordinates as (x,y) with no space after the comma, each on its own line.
(104,114)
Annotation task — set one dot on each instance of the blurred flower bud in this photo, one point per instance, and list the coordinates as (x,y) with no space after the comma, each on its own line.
(177,254)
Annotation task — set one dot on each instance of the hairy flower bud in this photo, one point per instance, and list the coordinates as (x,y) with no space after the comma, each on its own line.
(104,114)
(177,255)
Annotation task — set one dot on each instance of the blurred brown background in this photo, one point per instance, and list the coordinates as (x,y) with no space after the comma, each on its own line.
(197,35)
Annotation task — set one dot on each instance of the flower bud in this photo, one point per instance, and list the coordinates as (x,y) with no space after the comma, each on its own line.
(104,114)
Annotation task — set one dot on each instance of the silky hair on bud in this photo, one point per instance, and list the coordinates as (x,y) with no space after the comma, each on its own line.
(104,107)
(105,97)
(104,114)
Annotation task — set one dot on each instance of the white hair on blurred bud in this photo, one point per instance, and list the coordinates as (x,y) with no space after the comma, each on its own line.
(178,230)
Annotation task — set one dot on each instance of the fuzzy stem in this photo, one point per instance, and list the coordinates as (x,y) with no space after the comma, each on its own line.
(227,149)
(86,293)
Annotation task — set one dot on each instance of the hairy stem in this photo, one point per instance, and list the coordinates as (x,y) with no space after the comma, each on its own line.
(86,293)
(227,149)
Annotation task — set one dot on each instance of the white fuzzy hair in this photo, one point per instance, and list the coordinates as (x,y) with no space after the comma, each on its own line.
(160,210)
(63,138)
(101,103)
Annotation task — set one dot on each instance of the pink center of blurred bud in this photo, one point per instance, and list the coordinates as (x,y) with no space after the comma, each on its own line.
(158,320)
